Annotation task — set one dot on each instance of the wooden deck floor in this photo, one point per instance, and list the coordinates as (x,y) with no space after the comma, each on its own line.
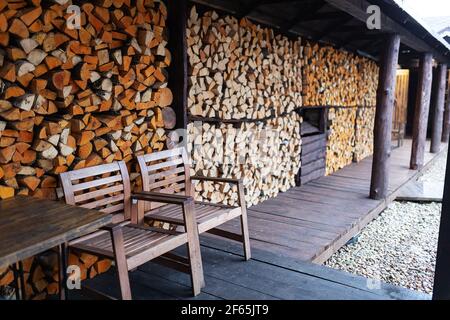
(267,276)
(306,224)
(313,221)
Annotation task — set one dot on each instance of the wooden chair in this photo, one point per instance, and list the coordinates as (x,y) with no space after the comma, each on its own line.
(107,188)
(167,172)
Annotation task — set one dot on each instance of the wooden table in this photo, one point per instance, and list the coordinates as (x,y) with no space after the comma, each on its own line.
(29,226)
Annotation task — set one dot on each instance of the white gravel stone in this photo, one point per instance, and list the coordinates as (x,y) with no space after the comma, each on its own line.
(398,247)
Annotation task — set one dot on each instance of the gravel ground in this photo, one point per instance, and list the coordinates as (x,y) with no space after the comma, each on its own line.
(398,247)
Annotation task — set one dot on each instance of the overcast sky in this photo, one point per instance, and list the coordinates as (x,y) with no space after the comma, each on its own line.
(427,8)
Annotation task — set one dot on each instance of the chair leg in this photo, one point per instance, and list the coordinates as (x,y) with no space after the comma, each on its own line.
(193,245)
(62,260)
(245,235)
(200,274)
(195,262)
(244,222)
(121,263)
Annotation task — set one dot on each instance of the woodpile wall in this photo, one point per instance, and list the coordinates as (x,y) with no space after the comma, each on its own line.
(242,71)
(239,70)
(341,138)
(337,78)
(365,121)
(333,77)
(73,98)
(265,155)
(350,136)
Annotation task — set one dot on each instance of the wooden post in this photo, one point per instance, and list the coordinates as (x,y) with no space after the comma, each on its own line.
(421,112)
(383,118)
(441,290)
(446,131)
(439,100)
(177,20)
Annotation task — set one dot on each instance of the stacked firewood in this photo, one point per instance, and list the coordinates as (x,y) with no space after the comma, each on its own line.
(365,121)
(239,70)
(341,138)
(265,155)
(71,98)
(77,97)
(41,274)
(335,77)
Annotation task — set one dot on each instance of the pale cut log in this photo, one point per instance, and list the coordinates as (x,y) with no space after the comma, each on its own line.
(36,56)
(24,67)
(25,102)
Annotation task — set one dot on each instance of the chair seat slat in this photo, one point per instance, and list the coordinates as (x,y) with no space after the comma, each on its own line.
(165,164)
(165,173)
(104,201)
(178,187)
(162,154)
(166,182)
(96,183)
(93,171)
(114,209)
(98,193)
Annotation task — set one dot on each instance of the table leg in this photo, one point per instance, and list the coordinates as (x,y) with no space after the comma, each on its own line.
(19,281)
(15,269)
(22,281)
(62,255)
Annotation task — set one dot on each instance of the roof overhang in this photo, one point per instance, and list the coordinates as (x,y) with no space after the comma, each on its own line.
(341,23)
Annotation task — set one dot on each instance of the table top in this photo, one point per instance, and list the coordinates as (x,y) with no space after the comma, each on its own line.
(29,226)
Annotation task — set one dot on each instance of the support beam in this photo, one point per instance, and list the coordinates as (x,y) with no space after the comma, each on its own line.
(178,82)
(446,131)
(303,13)
(441,289)
(439,100)
(421,112)
(383,118)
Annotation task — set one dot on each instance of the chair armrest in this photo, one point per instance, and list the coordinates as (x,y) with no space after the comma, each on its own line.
(226,180)
(186,202)
(161,197)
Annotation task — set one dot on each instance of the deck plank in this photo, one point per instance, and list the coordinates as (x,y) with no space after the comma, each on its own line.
(316,219)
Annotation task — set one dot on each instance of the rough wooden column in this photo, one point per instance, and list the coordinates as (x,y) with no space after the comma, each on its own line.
(441,289)
(421,112)
(446,131)
(177,20)
(439,100)
(383,118)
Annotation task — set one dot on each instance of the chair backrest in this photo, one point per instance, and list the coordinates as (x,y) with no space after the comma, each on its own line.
(166,172)
(105,188)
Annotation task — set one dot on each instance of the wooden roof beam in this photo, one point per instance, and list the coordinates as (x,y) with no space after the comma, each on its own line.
(332,15)
(303,13)
(334,26)
(358,36)
(247,8)
(357,8)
